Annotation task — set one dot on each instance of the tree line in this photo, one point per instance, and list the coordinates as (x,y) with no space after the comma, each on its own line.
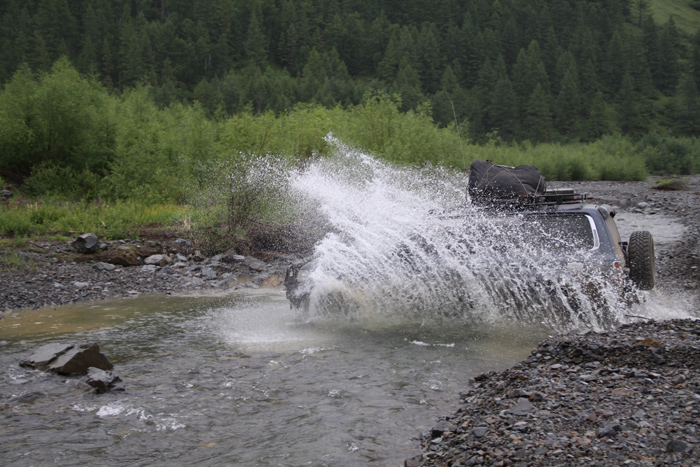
(513,70)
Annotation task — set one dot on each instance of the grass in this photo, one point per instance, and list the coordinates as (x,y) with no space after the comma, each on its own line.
(13,260)
(64,219)
(685,16)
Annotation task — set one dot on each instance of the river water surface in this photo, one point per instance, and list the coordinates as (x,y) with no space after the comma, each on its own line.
(237,380)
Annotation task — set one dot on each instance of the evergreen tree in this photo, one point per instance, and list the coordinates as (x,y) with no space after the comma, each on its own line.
(689,107)
(408,86)
(256,42)
(600,118)
(628,108)
(538,119)
(568,104)
(503,111)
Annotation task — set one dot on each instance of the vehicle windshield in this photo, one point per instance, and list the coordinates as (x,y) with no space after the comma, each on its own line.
(550,232)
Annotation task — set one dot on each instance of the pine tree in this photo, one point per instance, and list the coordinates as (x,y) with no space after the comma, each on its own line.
(256,43)
(503,112)
(538,119)
(628,108)
(600,118)
(568,104)
(689,107)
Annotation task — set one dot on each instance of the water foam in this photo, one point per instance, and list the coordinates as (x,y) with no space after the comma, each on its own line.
(395,254)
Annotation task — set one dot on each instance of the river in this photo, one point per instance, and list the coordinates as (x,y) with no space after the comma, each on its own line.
(237,380)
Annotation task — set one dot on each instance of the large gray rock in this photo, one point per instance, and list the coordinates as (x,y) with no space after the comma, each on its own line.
(67,359)
(87,243)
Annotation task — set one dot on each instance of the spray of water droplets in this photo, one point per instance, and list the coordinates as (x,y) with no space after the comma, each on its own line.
(405,244)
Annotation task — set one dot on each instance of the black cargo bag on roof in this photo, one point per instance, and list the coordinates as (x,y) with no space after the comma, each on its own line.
(489,182)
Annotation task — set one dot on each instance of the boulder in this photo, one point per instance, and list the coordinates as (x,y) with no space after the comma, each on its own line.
(87,243)
(67,359)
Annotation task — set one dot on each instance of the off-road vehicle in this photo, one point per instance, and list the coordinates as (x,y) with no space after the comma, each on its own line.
(527,244)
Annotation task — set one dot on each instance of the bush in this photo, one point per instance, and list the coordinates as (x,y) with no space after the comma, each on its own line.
(50,179)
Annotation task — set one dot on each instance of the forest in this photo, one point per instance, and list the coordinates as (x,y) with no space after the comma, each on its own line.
(130,104)
(542,70)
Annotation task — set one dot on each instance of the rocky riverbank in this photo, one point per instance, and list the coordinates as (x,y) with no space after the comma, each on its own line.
(53,274)
(629,397)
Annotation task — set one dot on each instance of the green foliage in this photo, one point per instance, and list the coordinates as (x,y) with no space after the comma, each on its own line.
(247,204)
(670,155)
(271,55)
(60,118)
(13,260)
(108,220)
(54,180)
(611,158)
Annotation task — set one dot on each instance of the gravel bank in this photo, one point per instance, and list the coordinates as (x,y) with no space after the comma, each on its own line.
(629,397)
(54,274)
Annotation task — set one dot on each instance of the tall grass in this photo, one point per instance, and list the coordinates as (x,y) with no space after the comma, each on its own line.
(109,220)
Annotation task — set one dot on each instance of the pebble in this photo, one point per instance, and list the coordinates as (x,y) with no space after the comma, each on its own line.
(628,410)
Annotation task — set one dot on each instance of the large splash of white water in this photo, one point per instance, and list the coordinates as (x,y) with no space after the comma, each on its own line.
(405,245)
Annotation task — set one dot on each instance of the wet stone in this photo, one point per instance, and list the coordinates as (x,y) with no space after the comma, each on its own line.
(103,381)
(67,359)
(523,407)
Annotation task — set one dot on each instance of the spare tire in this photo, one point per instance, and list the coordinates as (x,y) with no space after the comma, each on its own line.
(642,263)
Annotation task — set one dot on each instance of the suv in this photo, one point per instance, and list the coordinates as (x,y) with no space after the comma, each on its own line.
(549,257)
(562,220)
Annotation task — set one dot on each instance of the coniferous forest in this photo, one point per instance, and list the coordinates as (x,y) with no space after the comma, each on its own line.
(543,70)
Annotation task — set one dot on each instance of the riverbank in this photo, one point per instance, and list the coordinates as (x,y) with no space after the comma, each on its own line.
(53,274)
(628,397)
(46,273)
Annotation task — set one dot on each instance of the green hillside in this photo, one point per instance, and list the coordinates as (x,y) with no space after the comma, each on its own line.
(687,17)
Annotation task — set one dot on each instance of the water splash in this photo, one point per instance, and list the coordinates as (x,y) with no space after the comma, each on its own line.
(405,245)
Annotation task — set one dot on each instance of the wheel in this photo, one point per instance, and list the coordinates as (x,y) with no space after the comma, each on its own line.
(642,263)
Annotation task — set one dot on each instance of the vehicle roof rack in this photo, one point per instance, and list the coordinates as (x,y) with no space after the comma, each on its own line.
(552,197)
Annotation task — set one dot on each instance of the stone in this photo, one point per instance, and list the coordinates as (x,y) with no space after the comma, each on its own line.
(182,243)
(166,270)
(441,428)
(149,268)
(86,243)
(523,407)
(209,274)
(67,359)
(81,285)
(103,381)
(480,431)
(255,264)
(677,446)
(157,260)
(610,429)
(5,195)
(105,266)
